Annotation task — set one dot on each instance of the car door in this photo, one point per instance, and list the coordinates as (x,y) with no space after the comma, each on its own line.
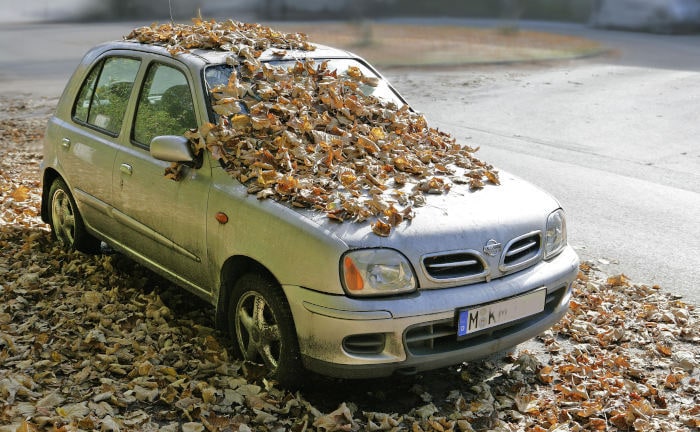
(163,220)
(90,139)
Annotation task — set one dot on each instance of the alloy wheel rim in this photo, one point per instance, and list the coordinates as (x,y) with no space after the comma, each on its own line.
(63,217)
(257,330)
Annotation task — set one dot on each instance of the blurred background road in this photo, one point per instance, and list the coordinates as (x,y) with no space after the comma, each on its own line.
(613,136)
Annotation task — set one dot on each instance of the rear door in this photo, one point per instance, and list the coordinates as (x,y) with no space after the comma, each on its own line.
(89,141)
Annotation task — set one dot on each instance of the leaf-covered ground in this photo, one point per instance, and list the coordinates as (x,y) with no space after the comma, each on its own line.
(98,343)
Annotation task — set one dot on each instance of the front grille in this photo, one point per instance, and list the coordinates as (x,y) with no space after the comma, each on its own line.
(522,251)
(455,265)
(441,336)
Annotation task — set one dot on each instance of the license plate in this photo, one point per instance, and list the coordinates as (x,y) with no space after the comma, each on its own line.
(470,320)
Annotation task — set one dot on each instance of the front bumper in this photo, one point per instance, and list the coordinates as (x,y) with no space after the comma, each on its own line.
(362,338)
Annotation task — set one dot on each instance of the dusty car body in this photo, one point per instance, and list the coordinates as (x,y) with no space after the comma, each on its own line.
(473,274)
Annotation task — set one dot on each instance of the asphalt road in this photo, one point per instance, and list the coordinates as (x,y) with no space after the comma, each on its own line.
(615,138)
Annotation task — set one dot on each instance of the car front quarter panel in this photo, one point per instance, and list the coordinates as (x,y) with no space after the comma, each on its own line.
(292,248)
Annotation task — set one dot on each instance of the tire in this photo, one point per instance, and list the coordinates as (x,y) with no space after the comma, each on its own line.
(261,325)
(66,223)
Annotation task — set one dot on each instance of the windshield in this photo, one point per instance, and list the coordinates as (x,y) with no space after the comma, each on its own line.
(372,86)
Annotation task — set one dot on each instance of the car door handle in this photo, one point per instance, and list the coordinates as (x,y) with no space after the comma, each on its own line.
(126,169)
(65,143)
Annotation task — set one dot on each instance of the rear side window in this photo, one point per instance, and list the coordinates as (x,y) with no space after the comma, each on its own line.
(105,93)
(165,105)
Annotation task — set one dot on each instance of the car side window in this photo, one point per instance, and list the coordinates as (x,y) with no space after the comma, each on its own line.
(165,105)
(105,93)
(81,108)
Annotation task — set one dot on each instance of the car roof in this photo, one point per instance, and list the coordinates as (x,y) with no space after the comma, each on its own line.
(211,56)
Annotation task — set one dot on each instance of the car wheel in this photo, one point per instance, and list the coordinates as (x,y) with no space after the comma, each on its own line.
(262,326)
(65,220)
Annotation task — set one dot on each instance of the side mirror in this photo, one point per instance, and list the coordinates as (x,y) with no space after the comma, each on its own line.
(171,148)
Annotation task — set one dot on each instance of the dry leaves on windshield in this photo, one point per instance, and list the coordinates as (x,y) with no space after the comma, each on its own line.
(309,135)
(316,141)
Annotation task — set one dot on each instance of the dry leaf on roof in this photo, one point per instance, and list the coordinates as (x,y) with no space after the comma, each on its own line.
(245,39)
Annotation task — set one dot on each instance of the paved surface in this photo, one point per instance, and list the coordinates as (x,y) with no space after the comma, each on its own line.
(38,59)
(614,138)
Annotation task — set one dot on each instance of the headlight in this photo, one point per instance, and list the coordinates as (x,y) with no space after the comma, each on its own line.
(555,236)
(369,272)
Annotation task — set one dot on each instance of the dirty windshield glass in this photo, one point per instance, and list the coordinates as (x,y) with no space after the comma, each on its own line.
(219,74)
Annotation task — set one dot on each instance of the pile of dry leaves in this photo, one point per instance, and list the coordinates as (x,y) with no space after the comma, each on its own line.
(98,343)
(229,35)
(22,125)
(309,135)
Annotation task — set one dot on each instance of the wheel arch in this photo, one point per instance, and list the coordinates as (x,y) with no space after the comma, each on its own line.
(49,176)
(235,267)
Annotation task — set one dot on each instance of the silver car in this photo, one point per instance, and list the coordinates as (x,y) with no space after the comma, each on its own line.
(471,275)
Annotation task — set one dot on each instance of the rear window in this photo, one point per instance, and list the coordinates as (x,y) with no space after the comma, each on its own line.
(104,94)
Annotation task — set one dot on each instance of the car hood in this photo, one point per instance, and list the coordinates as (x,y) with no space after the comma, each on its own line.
(455,220)
(458,224)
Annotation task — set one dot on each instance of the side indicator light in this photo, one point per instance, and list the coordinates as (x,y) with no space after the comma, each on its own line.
(221,217)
